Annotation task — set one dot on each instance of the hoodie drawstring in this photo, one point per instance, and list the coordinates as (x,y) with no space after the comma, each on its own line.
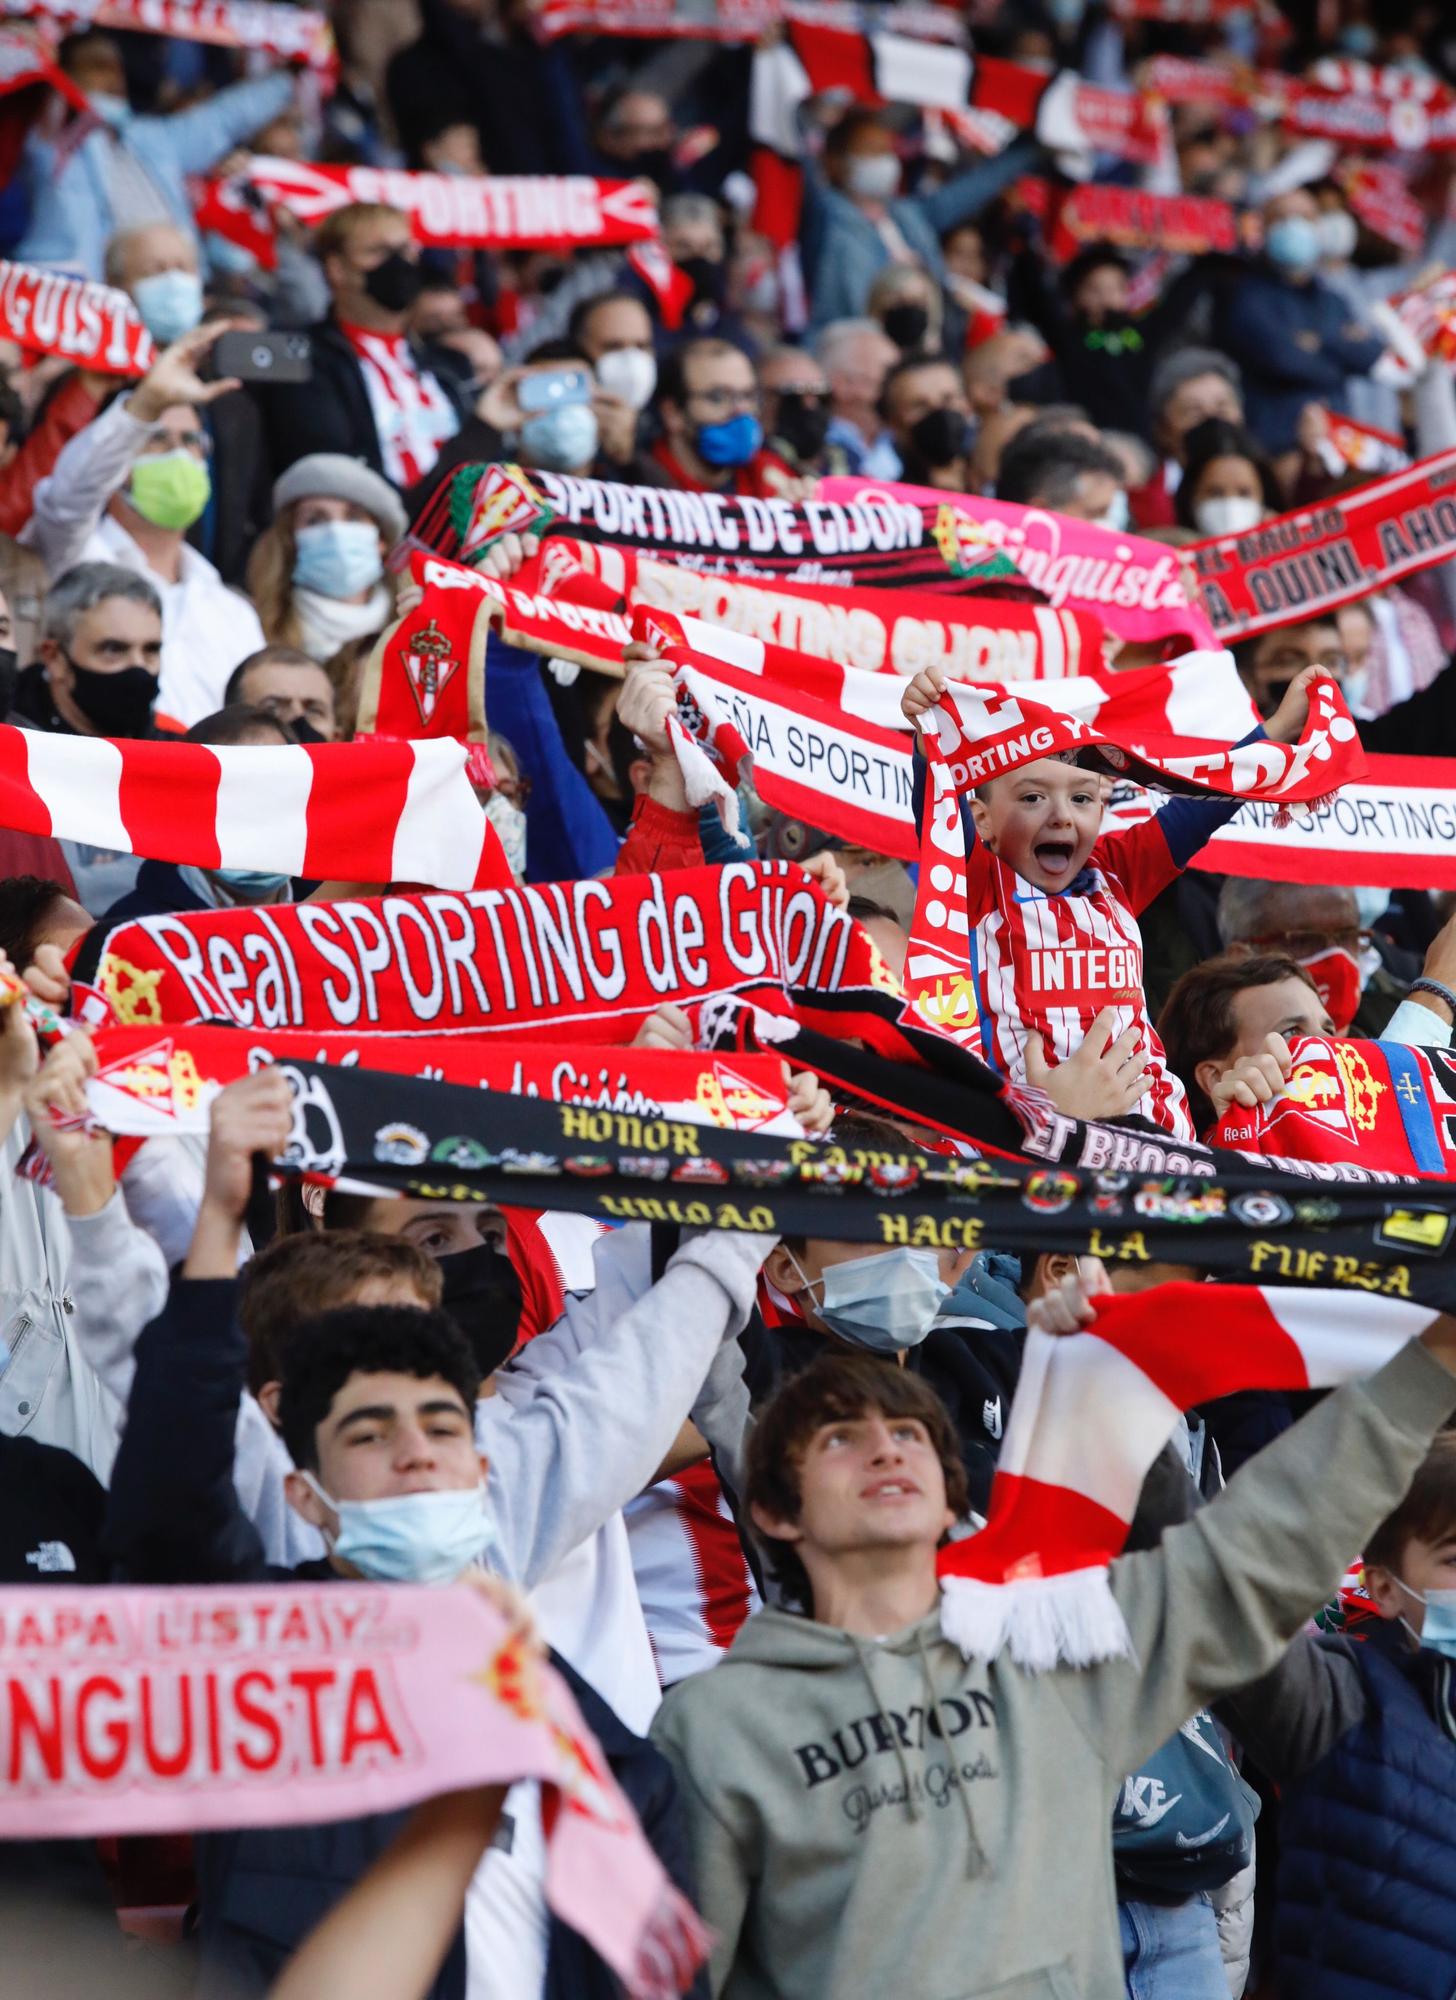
(880,1709)
(977,1862)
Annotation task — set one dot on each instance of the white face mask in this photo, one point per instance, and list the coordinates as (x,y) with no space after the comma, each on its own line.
(1337,230)
(629,372)
(873,176)
(1118,516)
(884,1302)
(1229,514)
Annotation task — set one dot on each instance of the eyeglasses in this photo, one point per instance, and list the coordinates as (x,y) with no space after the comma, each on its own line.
(1309,944)
(165,441)
(725,399)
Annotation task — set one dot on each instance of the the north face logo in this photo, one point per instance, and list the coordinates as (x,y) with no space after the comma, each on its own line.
(51,1558)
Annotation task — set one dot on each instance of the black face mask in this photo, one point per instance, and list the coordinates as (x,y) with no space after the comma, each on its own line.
(940,436)
(304,731)
(802,426)
(907,326)
(655,165)
(708,279)
(118,704)
(395,284)
(8,676)
(483,1296)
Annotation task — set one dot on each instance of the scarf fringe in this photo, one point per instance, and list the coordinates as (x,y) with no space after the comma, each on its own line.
(1042,1622)
(673,1945)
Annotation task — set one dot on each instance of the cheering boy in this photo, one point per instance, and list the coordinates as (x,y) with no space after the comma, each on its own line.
(1053,938)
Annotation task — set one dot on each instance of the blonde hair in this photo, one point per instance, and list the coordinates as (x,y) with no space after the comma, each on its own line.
(333,233)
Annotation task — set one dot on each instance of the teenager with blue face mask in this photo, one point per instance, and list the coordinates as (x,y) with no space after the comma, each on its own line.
(1358,1728)
(317,574)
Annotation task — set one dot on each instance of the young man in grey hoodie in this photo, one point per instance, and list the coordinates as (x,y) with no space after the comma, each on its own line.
(871,1812)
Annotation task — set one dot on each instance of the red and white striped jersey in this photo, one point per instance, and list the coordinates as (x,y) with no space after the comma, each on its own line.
(1051,963)
(411,412)
(692,1577)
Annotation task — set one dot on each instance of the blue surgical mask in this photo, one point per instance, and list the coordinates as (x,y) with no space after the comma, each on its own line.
(1292,243)
(411,1537)
(731,441)
(561,439)
(170,304)
(251,885)
(112,111)
(1358,39)
(337,558)
(1438,1628)
(884,1302)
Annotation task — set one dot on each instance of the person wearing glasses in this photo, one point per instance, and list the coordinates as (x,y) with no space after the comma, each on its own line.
(710,408)
(125,490)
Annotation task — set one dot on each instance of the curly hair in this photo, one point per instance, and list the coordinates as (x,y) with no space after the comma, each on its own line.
(835,1388)
(317,1357)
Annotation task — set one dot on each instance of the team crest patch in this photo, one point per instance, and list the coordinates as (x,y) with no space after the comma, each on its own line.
(430,665)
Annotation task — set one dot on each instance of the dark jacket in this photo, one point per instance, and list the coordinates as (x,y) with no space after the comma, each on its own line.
(173,1516)
(1422,726)
(1367,1870)
(1295,344)
(331,411)
(262,1890)
(160,890)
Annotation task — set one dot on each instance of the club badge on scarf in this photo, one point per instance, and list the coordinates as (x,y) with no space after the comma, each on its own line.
(304,1703)
(1381,1103)
(425,679)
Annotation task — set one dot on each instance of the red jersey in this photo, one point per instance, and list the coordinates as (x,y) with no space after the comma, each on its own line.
(1052,962)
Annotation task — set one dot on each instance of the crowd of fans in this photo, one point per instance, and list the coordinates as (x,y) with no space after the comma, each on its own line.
(720,1480)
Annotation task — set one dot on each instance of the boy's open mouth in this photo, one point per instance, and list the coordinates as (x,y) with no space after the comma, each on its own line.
(1055,856)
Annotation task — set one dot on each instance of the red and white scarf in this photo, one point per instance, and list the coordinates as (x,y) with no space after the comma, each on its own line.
(350,812)
(412,414)
(1384,1104)
(562,212)
(92,325)
(291,34)
(1091,1413)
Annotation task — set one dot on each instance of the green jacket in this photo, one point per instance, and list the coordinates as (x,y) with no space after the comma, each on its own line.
(881,1816)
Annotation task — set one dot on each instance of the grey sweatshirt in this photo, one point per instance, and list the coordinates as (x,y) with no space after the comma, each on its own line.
(882,1816)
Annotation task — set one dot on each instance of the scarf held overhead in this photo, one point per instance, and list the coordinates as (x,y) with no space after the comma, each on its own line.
(1034,1580)
(127,1711)
(590,956)
(467,211)
(1134,586)
(349,812)
(92,325)
(291,34)
(1384,1103)
(1318,558)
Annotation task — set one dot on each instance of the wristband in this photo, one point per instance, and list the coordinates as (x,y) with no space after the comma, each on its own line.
(1424,985)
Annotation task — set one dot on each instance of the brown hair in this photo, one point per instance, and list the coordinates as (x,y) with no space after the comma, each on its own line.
(835,1388)
(298,1277)
(1428,1511)
(1197,1022)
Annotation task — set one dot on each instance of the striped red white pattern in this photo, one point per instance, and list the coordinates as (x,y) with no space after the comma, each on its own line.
(350,812)
(1091,1413)
(694,1582)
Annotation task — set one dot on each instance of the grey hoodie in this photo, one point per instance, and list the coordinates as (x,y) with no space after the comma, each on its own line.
(881,1816)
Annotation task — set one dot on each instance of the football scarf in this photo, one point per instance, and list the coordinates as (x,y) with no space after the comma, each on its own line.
(586,960)
(425,677)
(1394,828)
(1350,446)
(153,1083)
(1383,1103)
(1130,1196)
(28,75)
(93,325)
(290,34)
(1034,1580)
(839,542)
(1379,195)
(976,637)
(182,1710)
(1180,225)
(1318,558)
(329,812)
(972,736)
(562,212)
(1134,586)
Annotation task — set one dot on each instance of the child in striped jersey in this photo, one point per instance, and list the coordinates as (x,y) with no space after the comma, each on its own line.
(1054,945)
